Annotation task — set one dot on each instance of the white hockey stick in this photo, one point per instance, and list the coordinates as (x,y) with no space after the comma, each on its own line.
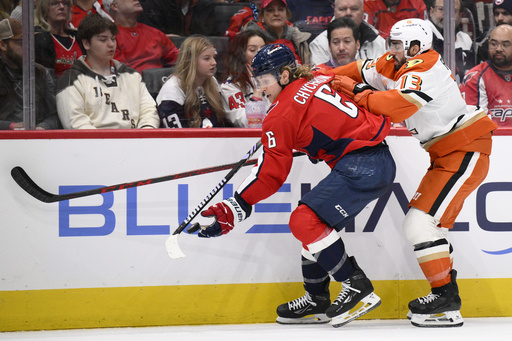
(173,249)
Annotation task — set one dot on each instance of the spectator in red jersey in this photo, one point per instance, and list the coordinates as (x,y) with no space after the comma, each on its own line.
(84,7)
(242,18)
(273,22)
(139,46)
(56,47)
(382,14)
(489,85)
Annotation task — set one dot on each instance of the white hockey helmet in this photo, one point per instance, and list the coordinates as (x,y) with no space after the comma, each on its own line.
(409,30)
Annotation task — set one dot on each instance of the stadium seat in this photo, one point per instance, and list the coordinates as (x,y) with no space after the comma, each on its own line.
(155,78)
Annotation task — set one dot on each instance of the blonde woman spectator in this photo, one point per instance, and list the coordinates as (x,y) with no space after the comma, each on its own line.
(190,98)
(55,42)
(99,92)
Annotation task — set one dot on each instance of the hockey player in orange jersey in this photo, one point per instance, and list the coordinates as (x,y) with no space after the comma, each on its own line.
(417,88)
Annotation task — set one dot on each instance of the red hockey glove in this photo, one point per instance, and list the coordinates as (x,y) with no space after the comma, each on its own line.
(357,91)
(226,214)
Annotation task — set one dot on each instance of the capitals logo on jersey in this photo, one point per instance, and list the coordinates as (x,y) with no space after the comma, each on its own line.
(469,76)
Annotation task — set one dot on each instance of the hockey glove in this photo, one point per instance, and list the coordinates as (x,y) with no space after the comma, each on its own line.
(226,214)
(357,91)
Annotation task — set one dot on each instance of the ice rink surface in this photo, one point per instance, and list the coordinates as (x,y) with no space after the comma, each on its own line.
(473,329)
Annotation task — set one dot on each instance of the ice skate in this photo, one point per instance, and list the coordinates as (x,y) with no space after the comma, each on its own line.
(308,309)
(357,288)
(440,308)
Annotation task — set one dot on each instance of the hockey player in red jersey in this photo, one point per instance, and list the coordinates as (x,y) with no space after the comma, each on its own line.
(307,115)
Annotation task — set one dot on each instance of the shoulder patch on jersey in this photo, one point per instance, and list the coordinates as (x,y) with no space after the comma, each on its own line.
(468,76)
(413,62)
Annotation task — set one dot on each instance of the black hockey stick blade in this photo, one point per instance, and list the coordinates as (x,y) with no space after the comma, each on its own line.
(24,181)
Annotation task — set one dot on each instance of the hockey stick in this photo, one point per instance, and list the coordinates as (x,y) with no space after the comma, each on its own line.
(24,181)
(171,244)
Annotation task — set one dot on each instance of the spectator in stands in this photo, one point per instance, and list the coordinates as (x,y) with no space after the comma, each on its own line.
(84,7)
(489,84)
(180,17)
(383,14)
(311,16)
(190,98)
(11,83)
(238,89)
(273,22)
(372,45)
(17,11)
(242,17)
(56,47)
(343,37)
(464,50)
(139,46)
(98,92)
(502,10)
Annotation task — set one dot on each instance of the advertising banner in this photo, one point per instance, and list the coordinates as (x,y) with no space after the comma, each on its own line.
(117,239)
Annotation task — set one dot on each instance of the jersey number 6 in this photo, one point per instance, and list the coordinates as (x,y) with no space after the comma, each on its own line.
(330,96)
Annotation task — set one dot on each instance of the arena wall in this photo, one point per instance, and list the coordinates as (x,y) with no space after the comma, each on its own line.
(100,261)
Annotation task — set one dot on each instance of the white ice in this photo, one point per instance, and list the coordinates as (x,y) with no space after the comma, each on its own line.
(474,329)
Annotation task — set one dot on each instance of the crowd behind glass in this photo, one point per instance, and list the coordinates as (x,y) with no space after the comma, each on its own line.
(119,64)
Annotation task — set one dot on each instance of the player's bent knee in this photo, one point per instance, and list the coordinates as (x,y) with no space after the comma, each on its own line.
(306,226)
(420,227)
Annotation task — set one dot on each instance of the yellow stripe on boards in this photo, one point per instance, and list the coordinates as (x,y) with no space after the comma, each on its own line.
(215,304)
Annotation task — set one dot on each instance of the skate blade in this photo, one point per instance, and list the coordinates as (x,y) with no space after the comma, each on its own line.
(370,302)
(441,320)
(311,319)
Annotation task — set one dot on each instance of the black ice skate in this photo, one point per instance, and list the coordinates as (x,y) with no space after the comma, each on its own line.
(308,309)
(440,308)
(357,288)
